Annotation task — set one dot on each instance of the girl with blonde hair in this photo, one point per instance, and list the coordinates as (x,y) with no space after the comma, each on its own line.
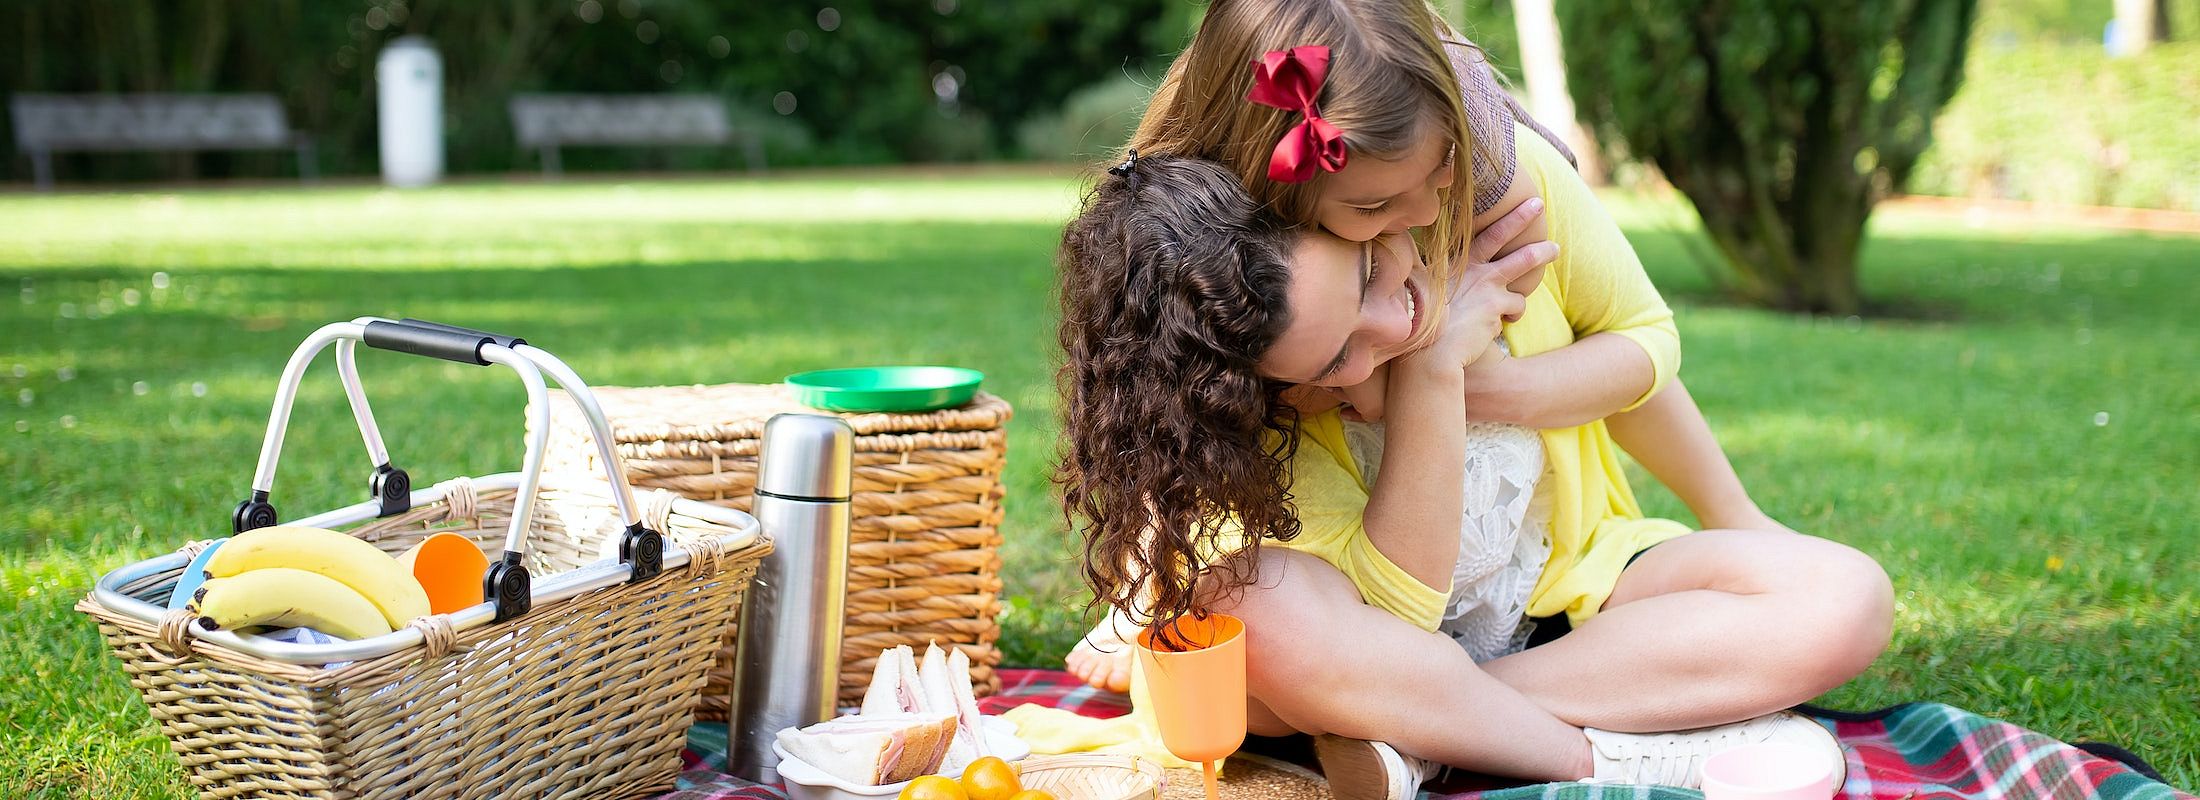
(1224,397)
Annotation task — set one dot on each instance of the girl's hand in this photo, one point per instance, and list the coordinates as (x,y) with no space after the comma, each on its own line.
(1491,242)
(1482,300)
(1489,292)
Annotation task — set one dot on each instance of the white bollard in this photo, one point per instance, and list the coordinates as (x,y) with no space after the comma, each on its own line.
(408,79)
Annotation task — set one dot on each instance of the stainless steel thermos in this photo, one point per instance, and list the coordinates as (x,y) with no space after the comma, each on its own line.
(787,670)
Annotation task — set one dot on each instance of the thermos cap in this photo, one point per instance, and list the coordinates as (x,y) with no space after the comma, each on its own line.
(806,456)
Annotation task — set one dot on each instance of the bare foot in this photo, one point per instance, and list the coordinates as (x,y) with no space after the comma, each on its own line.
(1102,658)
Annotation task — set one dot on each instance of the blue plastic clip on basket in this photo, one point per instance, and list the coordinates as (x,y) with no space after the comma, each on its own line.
(577,679)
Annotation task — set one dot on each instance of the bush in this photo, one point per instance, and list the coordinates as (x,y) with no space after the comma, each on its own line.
(2067,124)
(1090,126)
(1094,121)
(827,81)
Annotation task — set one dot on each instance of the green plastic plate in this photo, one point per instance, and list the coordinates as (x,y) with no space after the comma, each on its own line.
(885,388)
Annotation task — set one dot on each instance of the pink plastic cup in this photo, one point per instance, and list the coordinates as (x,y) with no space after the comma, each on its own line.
(1769,771)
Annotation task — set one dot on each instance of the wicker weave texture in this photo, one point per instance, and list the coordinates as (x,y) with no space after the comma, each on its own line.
(924,553)
(585,698)
(1094,776)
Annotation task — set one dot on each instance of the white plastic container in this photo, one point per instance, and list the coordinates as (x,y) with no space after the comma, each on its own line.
(408,79)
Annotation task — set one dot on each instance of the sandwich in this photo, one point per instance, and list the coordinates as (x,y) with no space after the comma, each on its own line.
(894,685)
(874,749)
(940,686)
(914,721)
(966,705)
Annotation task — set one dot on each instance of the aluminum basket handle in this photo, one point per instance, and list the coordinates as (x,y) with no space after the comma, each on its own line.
(387,484)
(507,584)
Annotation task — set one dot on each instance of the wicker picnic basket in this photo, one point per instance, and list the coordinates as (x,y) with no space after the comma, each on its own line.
(924,561)
(576,686)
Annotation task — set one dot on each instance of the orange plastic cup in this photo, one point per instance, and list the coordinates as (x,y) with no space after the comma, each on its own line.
(1199,694)
(450,567)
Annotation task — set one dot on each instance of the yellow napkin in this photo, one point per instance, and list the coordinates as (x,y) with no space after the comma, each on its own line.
(1051,731)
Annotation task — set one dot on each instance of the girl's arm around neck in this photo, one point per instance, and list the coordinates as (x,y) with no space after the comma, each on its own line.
(1625,345)
(1573,385)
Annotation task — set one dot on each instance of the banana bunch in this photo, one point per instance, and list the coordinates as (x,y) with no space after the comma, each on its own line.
(290,576)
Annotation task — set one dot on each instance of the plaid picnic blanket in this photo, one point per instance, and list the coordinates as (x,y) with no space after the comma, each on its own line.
(1917,751)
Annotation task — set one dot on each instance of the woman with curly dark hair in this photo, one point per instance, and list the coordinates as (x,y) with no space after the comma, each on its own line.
(1207,474)
(1171,279)
(1185,451)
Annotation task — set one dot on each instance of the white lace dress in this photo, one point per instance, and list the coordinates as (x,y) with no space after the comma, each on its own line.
(1504,532)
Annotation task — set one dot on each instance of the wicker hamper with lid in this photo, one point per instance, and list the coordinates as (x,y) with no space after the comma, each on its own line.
(924,563)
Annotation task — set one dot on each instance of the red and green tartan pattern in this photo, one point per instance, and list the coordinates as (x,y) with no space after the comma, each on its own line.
(1920,751)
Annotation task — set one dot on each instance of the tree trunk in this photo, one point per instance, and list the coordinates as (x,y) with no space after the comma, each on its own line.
(1792,252)
(1829,228)
(2136,27)
(1543,65)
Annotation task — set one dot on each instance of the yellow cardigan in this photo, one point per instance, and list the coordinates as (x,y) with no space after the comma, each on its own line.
(1597,285)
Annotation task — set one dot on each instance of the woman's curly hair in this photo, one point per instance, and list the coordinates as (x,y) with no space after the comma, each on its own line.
(1173,286)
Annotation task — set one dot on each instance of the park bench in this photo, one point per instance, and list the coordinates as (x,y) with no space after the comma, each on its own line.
(550,121)
(46,124)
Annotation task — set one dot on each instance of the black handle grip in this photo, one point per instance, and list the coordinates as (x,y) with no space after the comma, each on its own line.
(464,348)
(507,341)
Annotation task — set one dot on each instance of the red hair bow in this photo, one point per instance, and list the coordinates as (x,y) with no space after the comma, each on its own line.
(1291,80)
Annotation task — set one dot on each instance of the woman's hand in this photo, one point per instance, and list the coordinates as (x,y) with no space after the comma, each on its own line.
(1487,294)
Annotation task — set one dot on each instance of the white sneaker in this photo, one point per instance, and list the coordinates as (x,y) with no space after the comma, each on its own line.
(1676,759)
(1358,769)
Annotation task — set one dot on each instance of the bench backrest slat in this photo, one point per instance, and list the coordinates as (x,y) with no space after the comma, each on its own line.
(550,120)
(55,122)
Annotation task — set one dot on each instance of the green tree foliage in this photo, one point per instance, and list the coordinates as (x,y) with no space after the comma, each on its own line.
(2059,123)
(827,81)
(1783,121)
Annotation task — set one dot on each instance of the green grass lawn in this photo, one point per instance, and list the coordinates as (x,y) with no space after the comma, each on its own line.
(2020,454)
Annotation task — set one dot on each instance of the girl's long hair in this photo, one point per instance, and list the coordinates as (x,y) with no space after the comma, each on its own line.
(1172,287)
(1390,85)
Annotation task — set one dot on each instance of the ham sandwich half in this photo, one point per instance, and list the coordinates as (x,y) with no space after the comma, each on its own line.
(873,749)
(942,686)
(913,722)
